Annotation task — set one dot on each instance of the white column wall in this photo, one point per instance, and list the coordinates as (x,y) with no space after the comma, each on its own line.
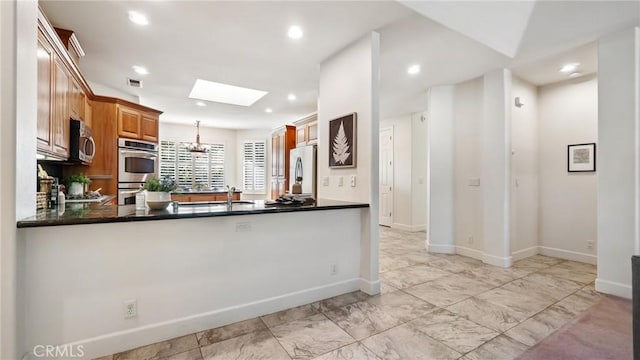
(441,147)
(349,82)
(496,172)
(618,160)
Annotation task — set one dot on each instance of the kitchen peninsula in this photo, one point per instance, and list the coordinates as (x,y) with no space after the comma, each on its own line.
(208,266)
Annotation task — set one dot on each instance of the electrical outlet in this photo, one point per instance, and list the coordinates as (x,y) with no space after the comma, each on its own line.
(243,227)
(130,308)
(333,269)
(470,239)
(353,181)
(325,181)
(340,181)
(590,244)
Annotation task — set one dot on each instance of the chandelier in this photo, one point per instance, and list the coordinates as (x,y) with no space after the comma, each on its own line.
(197,149)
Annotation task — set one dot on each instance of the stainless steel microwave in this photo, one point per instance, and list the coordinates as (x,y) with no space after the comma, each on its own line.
(82,147)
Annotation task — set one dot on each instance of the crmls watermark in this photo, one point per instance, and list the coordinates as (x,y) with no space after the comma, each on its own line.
(58,351)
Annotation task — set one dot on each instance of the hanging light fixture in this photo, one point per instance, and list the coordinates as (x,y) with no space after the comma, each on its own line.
(196,148)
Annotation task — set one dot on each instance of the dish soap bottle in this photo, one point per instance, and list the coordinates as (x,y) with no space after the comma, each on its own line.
(141,200)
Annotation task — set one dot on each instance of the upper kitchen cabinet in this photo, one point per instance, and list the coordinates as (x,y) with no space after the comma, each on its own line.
(61,92)
(307,130)
(137,124)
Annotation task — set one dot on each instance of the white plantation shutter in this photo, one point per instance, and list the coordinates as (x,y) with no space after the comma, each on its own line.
(216,165)
(177,162)
(255,163)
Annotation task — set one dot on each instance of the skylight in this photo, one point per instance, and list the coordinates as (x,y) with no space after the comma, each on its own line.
(226,94)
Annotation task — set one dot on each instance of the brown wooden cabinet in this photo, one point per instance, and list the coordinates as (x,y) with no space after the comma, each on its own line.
(282,141)
(76,100)
(60,121)
(307,130)
(136,124)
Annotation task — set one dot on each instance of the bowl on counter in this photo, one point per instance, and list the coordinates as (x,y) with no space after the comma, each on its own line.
(158,204)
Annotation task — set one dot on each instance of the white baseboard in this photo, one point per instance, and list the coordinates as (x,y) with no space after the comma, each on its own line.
(411,228)
(525,253)
(152,333)
(441,248)
(370,287)
(568,255)
(497,261)
(470,252)
(613,288)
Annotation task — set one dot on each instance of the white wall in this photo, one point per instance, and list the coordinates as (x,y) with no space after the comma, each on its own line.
(253,135)
(8,321)
(182,284)
(419,154)
(524,170)
(496,169)
(187,133)
(468,164)
(105,90)
(441,147)
(349,82)
(568,114)
(619,160)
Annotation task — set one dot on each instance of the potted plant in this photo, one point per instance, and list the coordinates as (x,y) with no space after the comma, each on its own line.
(159,190)
(77,184)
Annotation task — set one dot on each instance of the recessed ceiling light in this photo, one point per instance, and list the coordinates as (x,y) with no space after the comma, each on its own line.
(575,74)
(140,70)
(569,68)
(138,18)
(201,103)
(268,110)
(226,94)
(295,32)
(413,69)
(291,97)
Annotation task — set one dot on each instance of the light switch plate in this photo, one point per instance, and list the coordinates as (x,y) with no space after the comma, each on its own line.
(474,182)
(353,181)
(325,181)
(340,181)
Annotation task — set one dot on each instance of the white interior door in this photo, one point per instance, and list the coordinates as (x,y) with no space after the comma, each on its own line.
(386,176)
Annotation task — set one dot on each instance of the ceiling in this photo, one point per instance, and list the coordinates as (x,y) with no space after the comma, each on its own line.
(245,44)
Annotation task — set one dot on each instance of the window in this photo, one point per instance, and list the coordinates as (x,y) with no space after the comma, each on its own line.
(206,170)
(254,165)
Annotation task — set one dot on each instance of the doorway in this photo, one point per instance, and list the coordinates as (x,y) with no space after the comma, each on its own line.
(386,176)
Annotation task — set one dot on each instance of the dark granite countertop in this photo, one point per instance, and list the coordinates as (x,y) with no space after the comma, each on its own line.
(76,214)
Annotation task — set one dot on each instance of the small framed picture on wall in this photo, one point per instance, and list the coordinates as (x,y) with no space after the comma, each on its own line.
(342,142)
(581,157)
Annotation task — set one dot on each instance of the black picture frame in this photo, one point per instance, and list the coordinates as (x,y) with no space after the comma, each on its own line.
(342,143)
(581,157)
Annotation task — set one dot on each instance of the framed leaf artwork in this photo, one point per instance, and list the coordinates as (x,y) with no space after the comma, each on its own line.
(342,142)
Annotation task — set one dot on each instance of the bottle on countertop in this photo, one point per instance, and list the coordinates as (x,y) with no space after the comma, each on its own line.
(61,200)
(141,200)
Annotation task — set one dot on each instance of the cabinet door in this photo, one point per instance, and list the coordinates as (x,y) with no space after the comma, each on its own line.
(312,133)
(45,88)
(128,123)
(76,101)
(88,112)
(60,123)
(180,198)
(274,155)
(274,188)
(149,128)
(281,153)
(301,135)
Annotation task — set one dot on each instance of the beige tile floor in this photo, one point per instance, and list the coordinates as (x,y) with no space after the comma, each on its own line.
(432,306)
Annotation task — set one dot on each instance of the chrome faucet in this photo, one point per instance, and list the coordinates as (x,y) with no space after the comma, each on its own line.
(230,191)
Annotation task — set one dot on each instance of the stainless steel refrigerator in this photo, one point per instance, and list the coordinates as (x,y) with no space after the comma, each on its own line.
(302,169)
